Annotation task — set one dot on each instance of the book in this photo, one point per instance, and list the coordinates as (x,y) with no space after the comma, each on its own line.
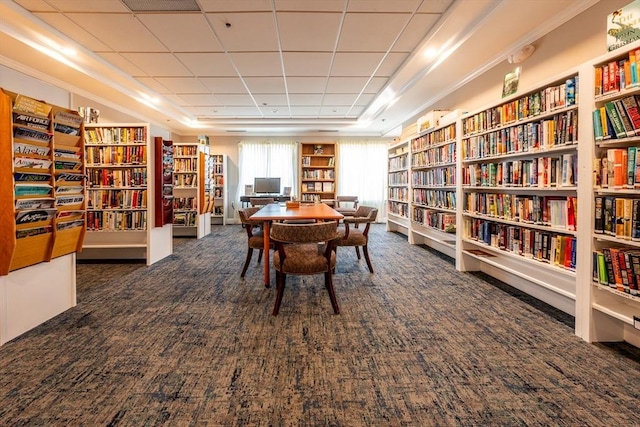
(616,120)
(598,215)
(626,122)
(632,109)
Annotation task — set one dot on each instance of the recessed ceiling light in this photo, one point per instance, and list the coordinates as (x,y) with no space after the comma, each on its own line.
(430,53)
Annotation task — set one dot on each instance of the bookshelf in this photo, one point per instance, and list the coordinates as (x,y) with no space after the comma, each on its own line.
(433,187)
(318,171)
(42,219)
(609,297)
(519,170)
(120,195)
(398,188)
(218,194)
(190,214)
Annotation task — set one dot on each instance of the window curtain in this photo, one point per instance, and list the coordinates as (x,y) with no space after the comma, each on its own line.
(267,159)
(362,172)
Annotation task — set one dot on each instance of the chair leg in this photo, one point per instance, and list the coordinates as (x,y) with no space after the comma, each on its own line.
(366,257)
(358,251)
(328,282)
(246,262)
(260,256)
(280,281)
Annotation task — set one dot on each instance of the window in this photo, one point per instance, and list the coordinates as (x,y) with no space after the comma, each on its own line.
(267,159)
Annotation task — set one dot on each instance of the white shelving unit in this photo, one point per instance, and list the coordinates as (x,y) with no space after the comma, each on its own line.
(120,169)
(219,189)
(190,214)
(398,188)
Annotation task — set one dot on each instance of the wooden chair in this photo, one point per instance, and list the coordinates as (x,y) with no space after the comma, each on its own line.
(356,236)
(261,201)
(255,237)
(298,253)
(346,205)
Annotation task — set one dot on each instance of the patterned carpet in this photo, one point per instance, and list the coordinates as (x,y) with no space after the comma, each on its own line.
(186,342)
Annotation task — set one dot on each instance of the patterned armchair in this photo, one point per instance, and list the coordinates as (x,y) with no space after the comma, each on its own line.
(357,236)
(298,253)
(346,205)
(255,237)
(261,201)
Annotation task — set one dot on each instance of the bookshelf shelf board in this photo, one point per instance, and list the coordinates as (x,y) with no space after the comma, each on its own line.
(542,227)
(434,208)
(523,190)
(612,239)
(557,149)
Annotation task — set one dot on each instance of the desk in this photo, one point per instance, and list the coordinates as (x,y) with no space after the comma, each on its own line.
(277,197)
(275,212)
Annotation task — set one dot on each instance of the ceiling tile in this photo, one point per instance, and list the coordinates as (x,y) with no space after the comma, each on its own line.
(157,64)
(235,99)
(355,63)
(238,111)
(435,6)
(356,34)
(335,111)
(248,32)
(224,84)
(346,84)
(118,61)
(303,111)
(199,100)
(234,5)
(207,64)
(384,5)
(308,31)
(152,84)
(340,99)
(306,84)
(311,5)
(305,99)
(391,64)
(265,84)
(376,84)
(415,32)
(182,84)
(35,5)
(181,32)
(87,6)
(275,111)
(73,31)
(302,64)
(122,33)
(259,64)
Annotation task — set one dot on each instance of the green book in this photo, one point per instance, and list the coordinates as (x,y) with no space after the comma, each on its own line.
(616,120)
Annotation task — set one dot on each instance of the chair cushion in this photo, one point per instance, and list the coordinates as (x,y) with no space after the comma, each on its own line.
(346,211)
(304,258)
(356,238)
(257,240)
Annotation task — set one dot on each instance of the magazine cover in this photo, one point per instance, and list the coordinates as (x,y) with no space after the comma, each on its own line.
(623,26)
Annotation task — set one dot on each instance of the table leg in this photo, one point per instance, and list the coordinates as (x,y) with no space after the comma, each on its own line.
(266,253)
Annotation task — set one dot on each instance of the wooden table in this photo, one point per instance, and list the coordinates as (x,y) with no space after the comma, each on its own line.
(277,212)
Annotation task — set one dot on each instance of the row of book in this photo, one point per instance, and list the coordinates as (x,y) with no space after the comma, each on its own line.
(185,203)
(618,74)
(434,156)
(435,198)
(398,193)
(616,119)
(115,135)
(324,161)
(561,129)
(185,219)
(398,163)
(189,179)
(319,187)
(439,177)
(117,155)
(555,249)
(546,100)
(185,151)
(542,172)
(318,174)
(116,220)
(618,217)
(619,168)
(554,211)
(442,221)
(399,208)
(618,268)
(116,199)
(398,178)
(189,164)
(130,177)
(443,135)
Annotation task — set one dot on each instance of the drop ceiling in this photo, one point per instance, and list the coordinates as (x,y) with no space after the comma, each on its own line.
(351,67)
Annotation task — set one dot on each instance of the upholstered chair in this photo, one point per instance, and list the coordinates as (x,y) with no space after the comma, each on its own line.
(255,238)
(346,205)
(299,252)
(261,201)
(355,235)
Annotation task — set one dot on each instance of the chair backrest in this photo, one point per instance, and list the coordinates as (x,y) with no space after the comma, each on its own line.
(304,233)
(247,223)
(261,201)
(349,200)
(368,212)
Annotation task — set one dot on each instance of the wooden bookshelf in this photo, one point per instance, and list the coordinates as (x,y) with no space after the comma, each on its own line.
(318,171)
(42,177)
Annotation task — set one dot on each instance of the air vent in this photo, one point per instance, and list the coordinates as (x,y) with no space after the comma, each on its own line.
(327,130)
(162,5)
(236,130)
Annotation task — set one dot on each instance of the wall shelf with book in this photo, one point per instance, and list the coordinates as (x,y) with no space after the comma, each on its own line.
(42,215)
(190,214)
(433,186)
(218,192)
(611,294)
(519,169)
(318,179)
(121,195)
(398,188)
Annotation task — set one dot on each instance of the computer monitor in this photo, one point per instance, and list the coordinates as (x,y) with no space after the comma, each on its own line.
(266,185)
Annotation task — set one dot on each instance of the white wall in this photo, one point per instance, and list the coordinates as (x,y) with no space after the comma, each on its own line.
(17,82)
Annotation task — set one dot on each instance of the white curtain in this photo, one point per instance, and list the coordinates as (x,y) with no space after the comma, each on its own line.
(362,172)
(267,159)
